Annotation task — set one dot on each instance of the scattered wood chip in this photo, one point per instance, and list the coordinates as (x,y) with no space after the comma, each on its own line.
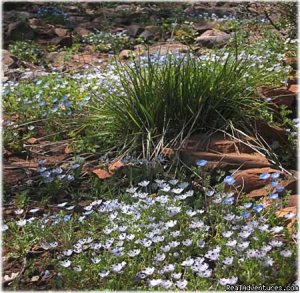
(32,140)
(68,149)
(113,167)
(102,174)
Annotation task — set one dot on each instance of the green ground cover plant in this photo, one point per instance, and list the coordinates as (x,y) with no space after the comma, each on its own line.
(153,237)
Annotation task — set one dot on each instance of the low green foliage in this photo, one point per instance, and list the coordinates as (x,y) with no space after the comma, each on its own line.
(105,42)
(26,51)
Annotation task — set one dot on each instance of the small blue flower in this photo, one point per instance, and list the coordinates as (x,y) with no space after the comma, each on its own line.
(38,82)
(67,218)
(53,110)
(273,196)
(75,166)
(46,174)
(42,103)
(258,208)
(67,104)
(264,176)
(274,183)
(247,205)
(246,214)
(275,175)
(70,177)
(42,162)
(201,163)
(57,170)
(229,200)
(280,189)
(229,180)
(41,169)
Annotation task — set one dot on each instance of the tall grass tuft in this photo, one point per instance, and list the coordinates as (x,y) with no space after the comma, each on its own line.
(166,96)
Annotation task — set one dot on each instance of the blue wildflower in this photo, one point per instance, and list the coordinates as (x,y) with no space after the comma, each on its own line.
(247,205)
(75,166)
(274,183)
(42,103)
(258,208)
(280,189)
(46,174)
(67,218)
(229,180)
(229,200)
(70,177)
(53,110)
(57,170)
(273,196)
(275,175)
(201,163)
(42,162)
(246,214)
(264,176)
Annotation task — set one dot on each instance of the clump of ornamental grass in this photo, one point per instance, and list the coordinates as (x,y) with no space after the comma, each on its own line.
(165,98)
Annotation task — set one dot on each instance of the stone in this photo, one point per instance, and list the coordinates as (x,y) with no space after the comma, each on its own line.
(117,30)
(294,88)
(20,31)
(54,57)
(125,54)
(271,133)
(152,28)
(201,28)
(212,38)
(62,41)
(61,32)
(279,96)
(134,30)
(82,31)
(216,142)
(292,61)
(170,47)
(225,161)
(292,200)
(8,60)
(248,180)
(146,35)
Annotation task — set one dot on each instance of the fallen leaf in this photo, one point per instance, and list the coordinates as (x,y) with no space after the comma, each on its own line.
(291,227)
(34,278)
(281,213)
(102,174)
(8,278)
(115,166)
(32,140)
(167,152)
(68,149)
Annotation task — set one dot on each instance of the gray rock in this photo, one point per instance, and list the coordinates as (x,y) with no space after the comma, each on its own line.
(82,31)
(125,54)
(146,35)
(20,31)
(134,30)
(212,38)
(8,60)
(62,41)
(203,27)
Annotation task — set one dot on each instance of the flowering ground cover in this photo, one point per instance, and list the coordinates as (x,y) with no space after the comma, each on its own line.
(101,188)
